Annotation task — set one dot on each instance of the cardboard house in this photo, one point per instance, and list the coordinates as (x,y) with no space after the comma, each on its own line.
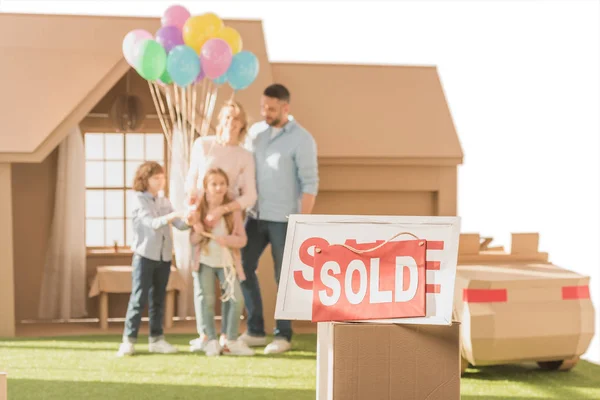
(386,140)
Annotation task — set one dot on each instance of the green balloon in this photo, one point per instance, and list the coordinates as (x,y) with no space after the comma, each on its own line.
(166,78)
(153,60)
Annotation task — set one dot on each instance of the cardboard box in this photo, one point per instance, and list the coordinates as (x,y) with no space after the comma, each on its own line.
(469,243)
(358,361)
(524,243)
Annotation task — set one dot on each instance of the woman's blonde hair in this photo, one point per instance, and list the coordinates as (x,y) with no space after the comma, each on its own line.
(203,209)
(239,114)
(145,172)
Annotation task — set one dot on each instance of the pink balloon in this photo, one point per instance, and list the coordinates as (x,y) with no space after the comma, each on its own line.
(175,16)
(129,44)
(215,57)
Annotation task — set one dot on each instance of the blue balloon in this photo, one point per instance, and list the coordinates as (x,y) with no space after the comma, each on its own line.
(243,70)
(220,80)
(183,65)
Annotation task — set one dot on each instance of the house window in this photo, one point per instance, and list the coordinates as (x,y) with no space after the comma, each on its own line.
(111,162)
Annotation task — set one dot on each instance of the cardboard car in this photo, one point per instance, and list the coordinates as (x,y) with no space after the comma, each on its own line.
(518,307)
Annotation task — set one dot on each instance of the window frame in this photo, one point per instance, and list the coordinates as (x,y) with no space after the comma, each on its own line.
(126,185)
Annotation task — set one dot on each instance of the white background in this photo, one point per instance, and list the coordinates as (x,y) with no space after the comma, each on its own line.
(521,79)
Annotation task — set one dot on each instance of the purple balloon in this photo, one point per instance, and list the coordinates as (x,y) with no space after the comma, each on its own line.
(215,57)
(169,37)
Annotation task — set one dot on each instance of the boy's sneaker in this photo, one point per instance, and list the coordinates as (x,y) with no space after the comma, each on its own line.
(237,348)
(253,341)
(161,346)
(212,348)
(278,346)
(125,349)
(198,344)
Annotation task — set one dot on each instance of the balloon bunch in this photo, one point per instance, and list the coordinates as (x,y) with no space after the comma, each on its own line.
(186,55)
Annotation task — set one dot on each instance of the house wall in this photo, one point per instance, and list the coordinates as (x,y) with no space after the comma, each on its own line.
(345,189)
(7,289)
(33,187)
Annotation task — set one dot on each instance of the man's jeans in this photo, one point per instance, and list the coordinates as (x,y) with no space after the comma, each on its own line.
(260,234)
(149,284)
(204,303)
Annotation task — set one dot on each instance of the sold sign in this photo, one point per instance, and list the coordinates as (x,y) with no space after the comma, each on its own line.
(387,282)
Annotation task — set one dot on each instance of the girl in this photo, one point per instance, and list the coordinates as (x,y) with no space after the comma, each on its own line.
(217,254)
(152,251)
(223,150)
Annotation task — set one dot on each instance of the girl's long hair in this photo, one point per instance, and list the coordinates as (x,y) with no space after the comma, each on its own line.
(203,209)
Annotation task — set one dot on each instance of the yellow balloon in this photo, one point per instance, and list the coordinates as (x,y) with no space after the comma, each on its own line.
(232,37)
(197,30)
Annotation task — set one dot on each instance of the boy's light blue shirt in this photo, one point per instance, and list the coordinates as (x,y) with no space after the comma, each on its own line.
(286,167)
(152,236)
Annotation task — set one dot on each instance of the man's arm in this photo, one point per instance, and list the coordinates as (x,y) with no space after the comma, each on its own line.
(308,202)
(308,173)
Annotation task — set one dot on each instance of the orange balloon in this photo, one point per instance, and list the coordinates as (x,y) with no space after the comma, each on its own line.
(197,30)
(232,37)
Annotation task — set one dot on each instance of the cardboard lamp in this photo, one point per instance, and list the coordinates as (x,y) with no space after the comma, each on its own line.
(381,290)
(518,307)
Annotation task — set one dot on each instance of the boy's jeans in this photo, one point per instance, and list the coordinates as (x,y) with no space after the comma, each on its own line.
(149,284)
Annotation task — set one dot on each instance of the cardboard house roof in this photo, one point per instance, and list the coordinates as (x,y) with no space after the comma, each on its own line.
(373,111)
(60,66)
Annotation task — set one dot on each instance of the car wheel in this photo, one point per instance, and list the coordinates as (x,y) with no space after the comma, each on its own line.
(558,365)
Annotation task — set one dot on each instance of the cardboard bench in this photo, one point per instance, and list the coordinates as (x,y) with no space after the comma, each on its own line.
(340,268)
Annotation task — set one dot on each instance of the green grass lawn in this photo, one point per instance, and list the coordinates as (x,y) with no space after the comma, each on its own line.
(86,368)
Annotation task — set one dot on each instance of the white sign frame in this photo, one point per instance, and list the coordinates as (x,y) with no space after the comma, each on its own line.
(294,303)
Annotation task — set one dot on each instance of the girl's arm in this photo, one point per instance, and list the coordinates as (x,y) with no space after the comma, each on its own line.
(238,238)
(195,235)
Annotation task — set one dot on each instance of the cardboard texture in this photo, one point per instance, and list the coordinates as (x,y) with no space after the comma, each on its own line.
(3,386)
(7,285)
(515,309)
(388,361)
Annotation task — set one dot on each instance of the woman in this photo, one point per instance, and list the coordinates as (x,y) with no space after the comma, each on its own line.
(223,150)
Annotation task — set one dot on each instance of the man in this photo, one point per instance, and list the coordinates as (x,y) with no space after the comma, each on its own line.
(287,181)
